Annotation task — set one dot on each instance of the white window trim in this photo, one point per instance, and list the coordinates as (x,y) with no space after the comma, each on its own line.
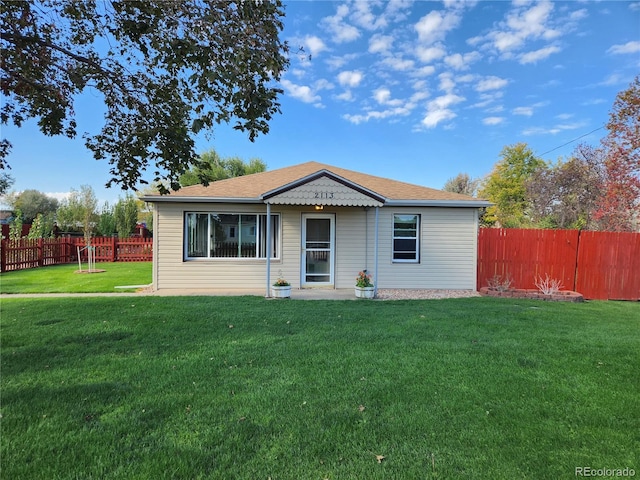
(417,238)
(185,241)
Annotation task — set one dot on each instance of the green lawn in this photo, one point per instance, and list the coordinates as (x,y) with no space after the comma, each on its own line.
(248,388)
(63,279)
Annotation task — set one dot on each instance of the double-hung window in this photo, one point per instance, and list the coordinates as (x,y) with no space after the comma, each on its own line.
(224,235)
(406,238)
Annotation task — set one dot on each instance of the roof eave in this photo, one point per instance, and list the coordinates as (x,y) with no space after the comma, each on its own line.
(387,202)
(439,203)
(178,199)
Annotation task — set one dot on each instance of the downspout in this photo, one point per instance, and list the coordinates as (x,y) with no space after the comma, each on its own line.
(366,238)
(268,280)
(375,254)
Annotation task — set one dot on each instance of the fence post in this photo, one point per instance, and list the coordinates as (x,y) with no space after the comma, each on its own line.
(3,255)
(40,252)
(113,249)
(576,271)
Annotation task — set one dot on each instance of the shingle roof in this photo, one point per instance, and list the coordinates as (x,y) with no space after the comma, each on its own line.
(255,185)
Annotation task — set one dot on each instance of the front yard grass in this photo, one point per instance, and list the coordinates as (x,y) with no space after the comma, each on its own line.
(248,388)
(63,279)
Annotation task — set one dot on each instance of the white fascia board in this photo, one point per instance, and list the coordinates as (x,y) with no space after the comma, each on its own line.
(174,199)
(438,203)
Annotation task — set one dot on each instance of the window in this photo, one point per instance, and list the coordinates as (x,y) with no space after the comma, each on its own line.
(406,243)
(223,235)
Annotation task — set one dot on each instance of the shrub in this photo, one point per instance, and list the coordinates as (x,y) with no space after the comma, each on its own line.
(548,285)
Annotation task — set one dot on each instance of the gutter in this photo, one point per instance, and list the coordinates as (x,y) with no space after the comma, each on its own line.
(438,203)
(174,199)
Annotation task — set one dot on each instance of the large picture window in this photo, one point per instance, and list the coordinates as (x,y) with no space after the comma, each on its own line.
(224,235)
(406,238)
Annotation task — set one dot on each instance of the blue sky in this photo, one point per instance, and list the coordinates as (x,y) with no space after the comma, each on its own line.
(414,91)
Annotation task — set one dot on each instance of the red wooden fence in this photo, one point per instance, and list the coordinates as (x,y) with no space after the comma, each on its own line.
(25,253)
(609,265)
(599,265)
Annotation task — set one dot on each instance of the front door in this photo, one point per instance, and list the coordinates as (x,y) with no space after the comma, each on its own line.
(318,238)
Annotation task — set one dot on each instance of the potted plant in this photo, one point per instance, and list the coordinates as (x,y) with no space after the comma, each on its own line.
(364,288)
(281,288)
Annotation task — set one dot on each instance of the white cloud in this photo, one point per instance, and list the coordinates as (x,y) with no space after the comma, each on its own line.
(399,64)
(468,78)
(528,22)
(492,120)
(322,84)
(554,129)
(383,97)
(495,109)
(303,93)
(435,25)
(380,43)
(579,14)
(434,117)
(363,16)
(60,196)
(594,101)
(419,96)
(524,111)
(447,84)
(336,62)
(350,78)
(299,72)
(532,23)
(459,3)
(541,54)
(345,96)
(438,110)
(614,78)
(444,101)
(458,61)
(340,31)
(424,71)
(429,54)
(629,47)
(491,83)
(314,45)
(379,114)
(487,99)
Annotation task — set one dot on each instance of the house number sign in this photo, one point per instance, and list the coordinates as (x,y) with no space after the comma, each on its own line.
(323,195)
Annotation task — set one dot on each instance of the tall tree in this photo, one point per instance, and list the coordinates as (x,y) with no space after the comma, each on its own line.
(618,208)
(106,221)
(80,210)
(623,126)
(166,71)
(126,215)
(620,202)
(564,195)
(462,183)
(15,226)
(32,202)
(505,186)
(212,167)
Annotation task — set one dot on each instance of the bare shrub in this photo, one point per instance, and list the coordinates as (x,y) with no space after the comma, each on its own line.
(500,283)
(548,285)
